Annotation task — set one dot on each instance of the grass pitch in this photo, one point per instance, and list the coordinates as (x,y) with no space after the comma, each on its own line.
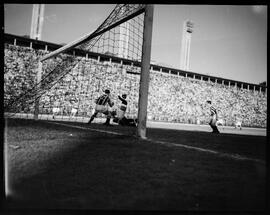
(55,166)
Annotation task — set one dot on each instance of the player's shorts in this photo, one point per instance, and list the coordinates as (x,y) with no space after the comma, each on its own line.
(120,114)
(220,122)
(213,120)
(101,109)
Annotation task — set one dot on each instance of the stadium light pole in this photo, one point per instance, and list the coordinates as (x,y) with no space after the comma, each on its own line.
(144,79)
(37,21)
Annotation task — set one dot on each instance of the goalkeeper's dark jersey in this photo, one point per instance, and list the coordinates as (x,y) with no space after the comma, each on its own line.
(103,100)
(123,106)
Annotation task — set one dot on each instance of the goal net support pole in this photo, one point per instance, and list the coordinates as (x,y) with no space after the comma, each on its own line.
(38,79)
(144,79)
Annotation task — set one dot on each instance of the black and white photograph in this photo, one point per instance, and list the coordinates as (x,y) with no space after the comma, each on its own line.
(135,107)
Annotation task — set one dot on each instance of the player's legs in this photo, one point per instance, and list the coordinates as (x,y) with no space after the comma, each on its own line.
(121,114)
(132,122)
(215,129)
(213,124)
(108,118)
(127,122)
(55,111)
(93,117)
(98,109)
(104,109)
(123,121)
(116,120)
(114,116)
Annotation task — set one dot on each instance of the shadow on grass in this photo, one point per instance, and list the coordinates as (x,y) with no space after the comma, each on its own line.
(90,170)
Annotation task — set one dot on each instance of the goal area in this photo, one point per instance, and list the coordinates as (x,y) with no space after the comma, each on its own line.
(65,82)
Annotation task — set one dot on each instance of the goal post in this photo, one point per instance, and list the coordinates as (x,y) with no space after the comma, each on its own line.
(120,47)
(145,60)
(145,67)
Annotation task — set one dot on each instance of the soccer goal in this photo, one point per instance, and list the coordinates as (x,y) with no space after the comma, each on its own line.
(115,56)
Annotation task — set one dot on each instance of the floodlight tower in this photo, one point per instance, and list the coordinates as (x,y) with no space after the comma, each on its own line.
(186,42)
(37,21)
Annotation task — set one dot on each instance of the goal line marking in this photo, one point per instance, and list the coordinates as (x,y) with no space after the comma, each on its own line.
(85,128)
(221,154)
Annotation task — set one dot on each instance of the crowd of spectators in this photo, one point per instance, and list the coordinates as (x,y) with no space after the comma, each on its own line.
(171,98)
(183,99)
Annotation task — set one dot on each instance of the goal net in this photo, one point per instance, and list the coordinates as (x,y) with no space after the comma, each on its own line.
(67,80)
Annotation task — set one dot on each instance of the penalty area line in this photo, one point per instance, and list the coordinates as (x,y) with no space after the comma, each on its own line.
(220,154)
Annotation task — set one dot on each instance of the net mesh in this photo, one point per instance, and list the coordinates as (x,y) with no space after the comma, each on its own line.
(69,83)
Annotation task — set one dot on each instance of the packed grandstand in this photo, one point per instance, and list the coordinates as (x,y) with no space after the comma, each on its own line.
(172,97)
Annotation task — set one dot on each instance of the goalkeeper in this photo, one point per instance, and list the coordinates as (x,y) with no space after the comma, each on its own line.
(123,107)
(120,118)
(102,107)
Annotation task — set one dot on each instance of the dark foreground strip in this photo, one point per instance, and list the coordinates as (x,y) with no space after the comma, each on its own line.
(221,154)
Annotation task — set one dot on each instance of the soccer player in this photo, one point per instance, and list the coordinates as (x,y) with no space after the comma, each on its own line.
(56,109)
(123,107)
(102,107)
(74,109)
(120,117)
(125,121)
(213,120)
(238,122)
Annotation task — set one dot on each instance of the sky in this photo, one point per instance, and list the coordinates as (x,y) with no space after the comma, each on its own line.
(228,41)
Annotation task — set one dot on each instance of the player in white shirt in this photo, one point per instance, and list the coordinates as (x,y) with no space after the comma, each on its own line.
(214,118)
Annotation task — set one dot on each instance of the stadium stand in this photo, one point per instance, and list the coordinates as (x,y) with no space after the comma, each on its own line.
(172,96)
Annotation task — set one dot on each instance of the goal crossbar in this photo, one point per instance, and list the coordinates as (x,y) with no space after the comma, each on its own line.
(91,35)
